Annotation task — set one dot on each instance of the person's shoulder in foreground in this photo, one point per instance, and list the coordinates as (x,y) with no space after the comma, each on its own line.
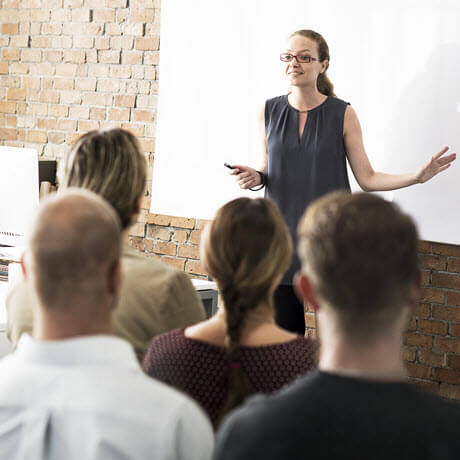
(325,415)
(94,388)
(154,298)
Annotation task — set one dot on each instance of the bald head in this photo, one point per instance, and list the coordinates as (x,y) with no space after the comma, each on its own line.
(73,249)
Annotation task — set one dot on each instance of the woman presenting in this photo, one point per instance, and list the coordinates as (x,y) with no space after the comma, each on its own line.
(307,136)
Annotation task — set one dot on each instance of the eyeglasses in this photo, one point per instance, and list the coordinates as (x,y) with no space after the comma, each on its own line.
(300,58)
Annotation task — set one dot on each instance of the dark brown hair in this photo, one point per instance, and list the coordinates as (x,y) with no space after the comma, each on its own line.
(360,252)
(111,164)
(323,83)
(246,249)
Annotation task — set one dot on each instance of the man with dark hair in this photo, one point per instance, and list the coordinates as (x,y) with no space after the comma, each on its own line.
(74,390)
(360,275)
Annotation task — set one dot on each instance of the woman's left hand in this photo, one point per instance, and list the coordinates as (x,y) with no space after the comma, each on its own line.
(435,165)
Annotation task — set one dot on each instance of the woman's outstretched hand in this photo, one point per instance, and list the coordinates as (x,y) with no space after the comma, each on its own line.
(435,165)
(246,177)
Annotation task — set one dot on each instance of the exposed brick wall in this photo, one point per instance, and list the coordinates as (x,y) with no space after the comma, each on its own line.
(69,66)
(432,341)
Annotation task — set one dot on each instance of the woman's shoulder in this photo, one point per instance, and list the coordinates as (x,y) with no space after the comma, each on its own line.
(337,102)
(277,100)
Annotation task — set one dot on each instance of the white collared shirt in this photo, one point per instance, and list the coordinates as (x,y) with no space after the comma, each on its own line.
(87,398)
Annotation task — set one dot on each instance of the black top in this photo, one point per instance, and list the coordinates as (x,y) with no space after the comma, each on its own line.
(326,416)
(300,170)
(201,369)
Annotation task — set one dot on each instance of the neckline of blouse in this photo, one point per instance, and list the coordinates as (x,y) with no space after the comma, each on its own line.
(308,111)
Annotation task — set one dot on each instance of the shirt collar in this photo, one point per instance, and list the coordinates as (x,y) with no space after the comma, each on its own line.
(93,350)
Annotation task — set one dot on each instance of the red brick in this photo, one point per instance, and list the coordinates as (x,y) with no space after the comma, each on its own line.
(445,280)
(76,56)
(16,94)
(112,29)
(124,101)
(148,245)
(11,120)
(418,340)
(135,129)
(454,330)
(446,375)
(194,266)
(418,371)
(446,313)
(158,219)
(9,54)
(63,83)
(310,320)
(110,86)
(7,107)
(450,391)
(36,136)
(412,324)
(49,96)
(142,115)
(106,15)
(56,137)
(424,247)
(447,344)
(168,248)
(67,125)
(195,237)
(85,84)
(432,295)
(182,222)
(29,55)
(426,278)
(434,262)
(10,134)
(453,299)
(58,110)
(70,97)
(422,310)
(431,358)
(86,125)
(80,15)
(4,68)
(51,29)
(97,113)
(66,69)
(453,264)
(430,387)
(160,233)
(131,57)
(189,251)
(176,263)
(147,43)
(119,114)
(432,327)
(81,113)
(136,243)
(10,29)
(137,230)
(109,57)
(453,361)
(446,249)
(180,236)
(46,123)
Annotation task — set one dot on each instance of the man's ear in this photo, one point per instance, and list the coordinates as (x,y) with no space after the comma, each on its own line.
(114,281)
(305,290)
(23,266)
(415,290)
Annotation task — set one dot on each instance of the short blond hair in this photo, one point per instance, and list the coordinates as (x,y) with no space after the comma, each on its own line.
(360,252)
(111,164)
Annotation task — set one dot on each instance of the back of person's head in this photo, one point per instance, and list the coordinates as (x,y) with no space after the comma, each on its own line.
(246,249)
(74,249)
(360,253)
(111,164)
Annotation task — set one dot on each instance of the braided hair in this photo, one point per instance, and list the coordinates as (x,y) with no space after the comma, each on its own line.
(246,249)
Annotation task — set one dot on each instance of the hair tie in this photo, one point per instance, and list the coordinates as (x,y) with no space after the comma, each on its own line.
(236,364)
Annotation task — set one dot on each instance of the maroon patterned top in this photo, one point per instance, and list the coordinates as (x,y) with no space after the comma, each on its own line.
(201,369)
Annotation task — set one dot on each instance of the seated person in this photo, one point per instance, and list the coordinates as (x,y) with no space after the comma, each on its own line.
(240,350)
(360,274)
(74,391)
(154,297)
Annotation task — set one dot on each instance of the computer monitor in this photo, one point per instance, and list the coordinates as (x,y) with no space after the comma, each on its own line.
(19,193)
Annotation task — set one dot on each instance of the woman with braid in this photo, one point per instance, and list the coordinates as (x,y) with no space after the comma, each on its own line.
(240,350)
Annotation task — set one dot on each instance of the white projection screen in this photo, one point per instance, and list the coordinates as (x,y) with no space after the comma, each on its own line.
(396,62)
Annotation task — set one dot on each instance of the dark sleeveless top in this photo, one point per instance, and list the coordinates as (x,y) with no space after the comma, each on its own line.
(300,170)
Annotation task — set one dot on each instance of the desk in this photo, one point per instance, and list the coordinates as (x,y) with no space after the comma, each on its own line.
(207,290)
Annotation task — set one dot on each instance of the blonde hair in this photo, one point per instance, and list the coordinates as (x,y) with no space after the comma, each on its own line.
(111,164)
(323,83)
(246,249)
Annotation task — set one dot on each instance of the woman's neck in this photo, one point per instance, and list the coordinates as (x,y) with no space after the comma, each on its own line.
(304,98)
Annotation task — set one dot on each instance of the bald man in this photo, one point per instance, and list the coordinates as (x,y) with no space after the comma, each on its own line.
(75,391)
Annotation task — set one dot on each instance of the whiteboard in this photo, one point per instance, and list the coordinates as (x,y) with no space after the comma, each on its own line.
(396,62)
(19,193)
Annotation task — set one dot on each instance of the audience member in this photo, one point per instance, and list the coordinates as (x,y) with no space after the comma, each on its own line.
(74,391)
(240,350)
(154,297)
(359,272)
